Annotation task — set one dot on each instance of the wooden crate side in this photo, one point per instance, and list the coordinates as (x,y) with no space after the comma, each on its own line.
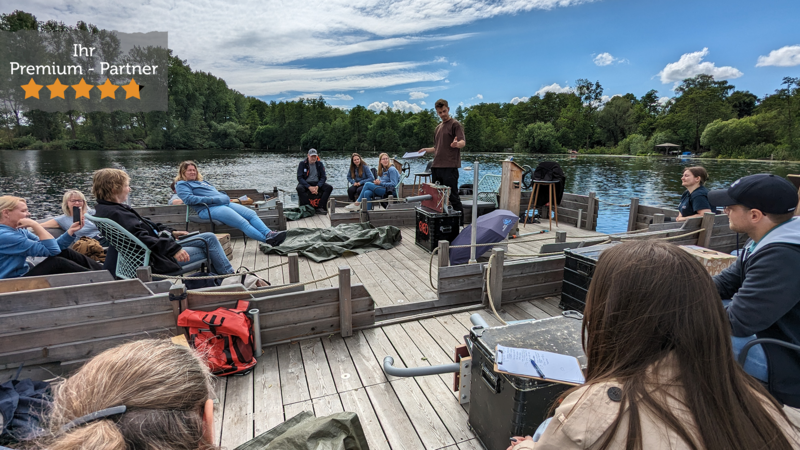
(71,295)
(305,314)
(314,328)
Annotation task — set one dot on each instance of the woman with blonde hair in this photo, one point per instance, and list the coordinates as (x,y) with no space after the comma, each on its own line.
(193,191)
(660,370)
(146,394)
(388,177)
(358,174)
(73,198)
(17,243)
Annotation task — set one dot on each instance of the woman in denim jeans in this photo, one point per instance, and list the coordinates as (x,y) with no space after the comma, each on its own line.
(193,190)
(388,177)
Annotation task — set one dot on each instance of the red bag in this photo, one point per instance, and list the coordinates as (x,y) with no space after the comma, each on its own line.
(224,336)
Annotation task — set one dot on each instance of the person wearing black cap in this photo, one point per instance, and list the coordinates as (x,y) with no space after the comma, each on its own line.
(311,179)
(763,283)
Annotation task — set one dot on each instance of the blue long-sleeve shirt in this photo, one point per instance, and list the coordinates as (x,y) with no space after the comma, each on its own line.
(18,244)
(196,192)
(365,176)
(390,178)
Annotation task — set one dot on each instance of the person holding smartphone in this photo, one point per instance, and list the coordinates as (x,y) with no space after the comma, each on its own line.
(74,206)
(21,236)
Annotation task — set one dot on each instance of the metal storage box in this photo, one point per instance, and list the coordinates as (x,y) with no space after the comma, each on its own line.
(579,268)
(503,405)
(433,226)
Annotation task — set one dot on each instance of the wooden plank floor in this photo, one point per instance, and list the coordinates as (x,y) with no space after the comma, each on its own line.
(396,276)
(334,374)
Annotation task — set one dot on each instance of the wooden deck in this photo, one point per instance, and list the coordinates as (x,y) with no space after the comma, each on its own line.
(392,277)
(334,374)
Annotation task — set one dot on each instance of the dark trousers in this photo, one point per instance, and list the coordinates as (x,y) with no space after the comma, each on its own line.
(449,177)
(317,201)
(354,191)
(68,261)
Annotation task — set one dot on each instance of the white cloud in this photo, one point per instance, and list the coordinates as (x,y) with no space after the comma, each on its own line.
(417,94)
(479,96)
(787,56)
(454,63)
(325,96)
(422,103)
(516,100)
(446,81)
(402,105)
(663,100)
(361,91)
(440,59)
(692,64)
(246,55)
(555,87)
(604,59)
(378,106)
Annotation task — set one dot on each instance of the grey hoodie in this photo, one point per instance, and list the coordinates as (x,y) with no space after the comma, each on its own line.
(764,286)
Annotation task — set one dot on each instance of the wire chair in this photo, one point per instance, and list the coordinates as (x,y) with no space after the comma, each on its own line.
(488,188)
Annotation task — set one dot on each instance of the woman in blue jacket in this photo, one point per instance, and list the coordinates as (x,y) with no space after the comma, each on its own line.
(388,177)
(357,176)
(17,243)
(192,190)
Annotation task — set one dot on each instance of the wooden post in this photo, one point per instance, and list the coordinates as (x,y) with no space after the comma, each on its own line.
(658,218)
(590,211)
(634,211)
(275,192)
(145,274)
(332,205)
(294,268)
(177,296)
(281,217)
(580,218)
(345,302)
(704,238)
(444,253)
(561,236)
(496,274)
(510,190)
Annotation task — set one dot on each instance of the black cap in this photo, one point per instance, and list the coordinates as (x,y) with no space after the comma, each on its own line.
(764,192)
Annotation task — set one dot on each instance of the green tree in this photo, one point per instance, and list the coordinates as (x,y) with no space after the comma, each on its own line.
(540,138)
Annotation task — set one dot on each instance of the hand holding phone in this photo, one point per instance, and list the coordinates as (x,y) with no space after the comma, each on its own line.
(76,214)
(193,233)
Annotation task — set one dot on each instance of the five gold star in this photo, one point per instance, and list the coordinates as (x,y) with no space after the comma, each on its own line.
(107,89)
(57,89)
(82,89)
(131,89)
(32,89)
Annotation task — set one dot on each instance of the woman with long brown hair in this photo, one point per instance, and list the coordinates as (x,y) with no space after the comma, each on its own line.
(358,174)
(388,177)
(694,201)
(660,366)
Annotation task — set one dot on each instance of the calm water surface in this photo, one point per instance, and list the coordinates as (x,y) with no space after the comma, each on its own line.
(42,176)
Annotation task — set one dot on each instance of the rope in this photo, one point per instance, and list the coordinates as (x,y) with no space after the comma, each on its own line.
(258,291)
(623,237)
(430,267)
(213,277)
(489,290)
(615,204)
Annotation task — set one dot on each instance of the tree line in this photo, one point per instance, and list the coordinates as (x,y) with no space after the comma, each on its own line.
(704,116)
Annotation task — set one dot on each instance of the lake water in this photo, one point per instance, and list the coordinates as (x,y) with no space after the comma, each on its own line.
(42,176)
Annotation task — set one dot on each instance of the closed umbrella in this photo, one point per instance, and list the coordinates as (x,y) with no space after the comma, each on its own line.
(492,227)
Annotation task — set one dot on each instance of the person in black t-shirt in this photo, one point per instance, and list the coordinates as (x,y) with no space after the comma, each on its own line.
(694,202)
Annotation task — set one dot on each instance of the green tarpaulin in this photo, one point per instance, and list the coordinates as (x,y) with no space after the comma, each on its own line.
(322,244)
(340,431)
(298,213)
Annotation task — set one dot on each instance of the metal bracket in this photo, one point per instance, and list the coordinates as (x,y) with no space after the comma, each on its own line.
(465,383)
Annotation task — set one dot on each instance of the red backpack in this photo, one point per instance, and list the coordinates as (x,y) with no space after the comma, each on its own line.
(224,336)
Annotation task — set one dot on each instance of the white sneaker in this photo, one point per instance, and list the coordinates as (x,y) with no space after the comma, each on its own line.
(353,207)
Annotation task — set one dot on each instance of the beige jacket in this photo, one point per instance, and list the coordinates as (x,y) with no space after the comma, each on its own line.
(584,416)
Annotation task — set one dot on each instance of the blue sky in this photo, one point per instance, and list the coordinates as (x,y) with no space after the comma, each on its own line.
(408,53)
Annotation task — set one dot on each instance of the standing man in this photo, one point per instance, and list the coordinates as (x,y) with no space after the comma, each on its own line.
(311,180)
(448,142)
(763,283)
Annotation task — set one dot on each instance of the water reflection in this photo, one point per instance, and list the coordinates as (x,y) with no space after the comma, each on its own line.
(42,176)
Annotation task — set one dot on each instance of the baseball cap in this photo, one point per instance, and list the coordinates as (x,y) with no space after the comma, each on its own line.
(764,192)
(313,151)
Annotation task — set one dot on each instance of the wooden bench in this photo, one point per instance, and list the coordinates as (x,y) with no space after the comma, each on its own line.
(175,216)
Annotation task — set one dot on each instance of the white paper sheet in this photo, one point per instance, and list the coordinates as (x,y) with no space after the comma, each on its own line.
(412,155)
(554,366)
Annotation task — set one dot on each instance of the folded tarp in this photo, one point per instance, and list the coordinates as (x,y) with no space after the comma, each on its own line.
(340,431)
(322,244)
(298,213)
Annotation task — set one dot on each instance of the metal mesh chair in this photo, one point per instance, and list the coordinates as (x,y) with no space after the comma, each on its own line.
(193,216)
(488,188)
(131,252)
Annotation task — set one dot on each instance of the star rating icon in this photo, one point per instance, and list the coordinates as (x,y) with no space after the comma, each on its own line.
(107,89)
(57,89)
(32,89)
(83,89)
(132,90)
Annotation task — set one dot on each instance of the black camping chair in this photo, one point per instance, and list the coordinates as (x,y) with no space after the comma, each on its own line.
(746,348)
(546,171)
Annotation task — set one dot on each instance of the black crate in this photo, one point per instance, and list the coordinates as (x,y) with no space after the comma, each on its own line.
(503,405)
(578,271)
(433,227)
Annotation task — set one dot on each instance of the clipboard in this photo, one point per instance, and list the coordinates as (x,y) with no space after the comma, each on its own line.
(556,364)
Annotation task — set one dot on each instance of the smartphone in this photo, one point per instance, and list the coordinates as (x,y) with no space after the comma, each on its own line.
(76,214)
(193,233)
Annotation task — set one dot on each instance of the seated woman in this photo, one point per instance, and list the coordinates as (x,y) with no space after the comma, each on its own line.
(358,174)
(161,394)
(694,202)
(111,188)
(660,366)
(193,190)
(76,198)
(17,243)
(388,177)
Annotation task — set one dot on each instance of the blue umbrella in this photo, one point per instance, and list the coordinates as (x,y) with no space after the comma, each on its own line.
(492,227)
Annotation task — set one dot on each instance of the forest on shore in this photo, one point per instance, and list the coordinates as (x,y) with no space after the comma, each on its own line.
(705,116)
